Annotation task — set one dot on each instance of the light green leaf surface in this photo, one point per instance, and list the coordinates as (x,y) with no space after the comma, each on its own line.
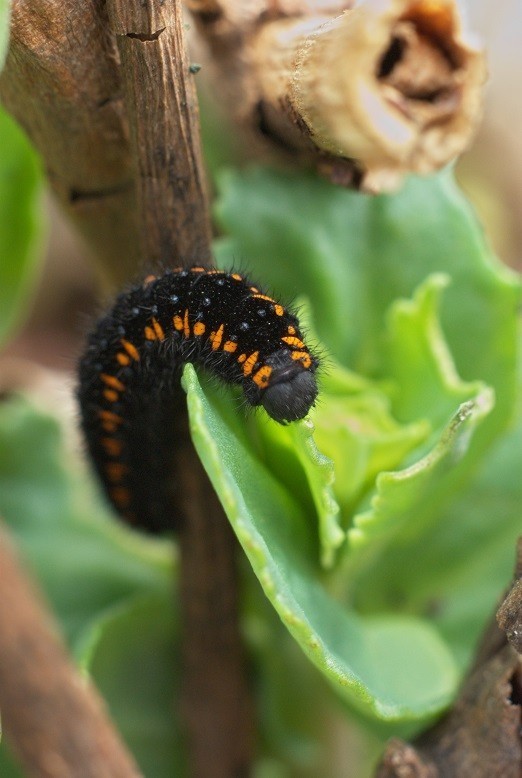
(352,255)
(20,223)
(401,499)
(392,667)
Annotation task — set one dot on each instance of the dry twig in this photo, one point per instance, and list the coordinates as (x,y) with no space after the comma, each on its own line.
(367,91)
(480,736)
(174,222)
(61,82)
(54,720)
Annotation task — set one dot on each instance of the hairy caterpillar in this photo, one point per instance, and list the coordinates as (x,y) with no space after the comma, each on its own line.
(129,374)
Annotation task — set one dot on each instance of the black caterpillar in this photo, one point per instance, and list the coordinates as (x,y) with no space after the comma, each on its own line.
(129,374)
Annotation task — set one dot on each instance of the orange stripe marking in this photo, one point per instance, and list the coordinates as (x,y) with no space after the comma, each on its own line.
(230,346)
(121,496)
(293,341)
(178,322)
(263,297)
(250,362)
(186,325)
(261,377)
(217,337)
(131,349)
(241,358)
(303,356)
(122,359)
(158,329)
(112,446)
(115,470)
(149,333)
(279,310)
(111,395)
(112,381)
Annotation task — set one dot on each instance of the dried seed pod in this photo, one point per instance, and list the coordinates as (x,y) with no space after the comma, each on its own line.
(369,93)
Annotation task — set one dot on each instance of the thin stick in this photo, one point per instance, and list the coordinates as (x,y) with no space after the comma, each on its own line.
(53,718)
(61,82)
(163,116)
(175,226)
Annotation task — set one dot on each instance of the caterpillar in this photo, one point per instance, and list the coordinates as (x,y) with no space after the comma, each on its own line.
(129,374)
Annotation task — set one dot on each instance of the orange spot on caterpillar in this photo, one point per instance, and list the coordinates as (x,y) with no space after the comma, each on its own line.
(148,280)
(110,416)
(263,297)
(186,325)
(149,333)
(158,329)
(109,426)
(121,496)
(197,269)
(279,310)
(230,346)
(115,470)
(112,446)
(302,356)
(241,358)
(291,330)
(250,362)
(261,377)
(254,289)
(199,328)
(236,276)
(217,337)
(178,322)
(122,359)
(292,341)
(131,349)
(112,381)
(111,395)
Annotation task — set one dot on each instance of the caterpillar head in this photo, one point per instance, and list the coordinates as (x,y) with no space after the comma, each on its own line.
(291,389)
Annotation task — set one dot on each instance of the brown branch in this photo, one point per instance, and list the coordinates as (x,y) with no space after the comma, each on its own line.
(61,82)
(481,734)
(52,717)
(163,116)
(216,704)
(365,93)
(174,224)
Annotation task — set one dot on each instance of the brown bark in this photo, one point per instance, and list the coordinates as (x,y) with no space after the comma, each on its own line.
(481,736)
(162,112)
(52,717)
(62,83)
(174,222)
(216,705)
(105,92)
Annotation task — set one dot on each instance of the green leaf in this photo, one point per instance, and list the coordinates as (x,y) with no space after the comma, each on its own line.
(395,668)
(352,255)
(5,7)
(464,562)
(136,667)
(399,504)
(418,358)
(20,223)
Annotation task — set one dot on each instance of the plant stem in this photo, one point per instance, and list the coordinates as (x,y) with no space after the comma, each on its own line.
(175,227)
(52,717)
